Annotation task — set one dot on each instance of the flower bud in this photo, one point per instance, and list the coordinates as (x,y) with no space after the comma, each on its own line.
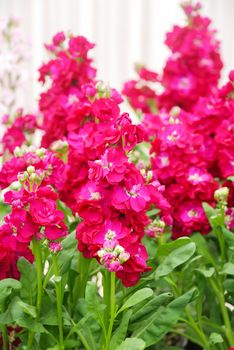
(118,249)
(123,257)
(221,194)
(149,175)
(22,177)
(40,152)
(17,151)
(33,177)
(174,112)
(31,169)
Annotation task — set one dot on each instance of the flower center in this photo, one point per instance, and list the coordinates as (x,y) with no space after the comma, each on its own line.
(192,213)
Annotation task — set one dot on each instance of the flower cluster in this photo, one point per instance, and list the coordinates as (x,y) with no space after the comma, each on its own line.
(34,213)
(19,129)
(69,75)
(194,55)
(101,185)
(190,124)
(181,160)
(107,190)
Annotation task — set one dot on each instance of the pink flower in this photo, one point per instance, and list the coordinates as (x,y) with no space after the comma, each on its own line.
(56,231)
(105,109)
(44,212)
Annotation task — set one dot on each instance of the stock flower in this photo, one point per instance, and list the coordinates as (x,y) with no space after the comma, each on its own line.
(43,211)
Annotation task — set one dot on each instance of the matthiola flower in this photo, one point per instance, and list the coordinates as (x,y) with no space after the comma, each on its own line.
(194,54)
(11,249)
(69,71)
(34,210)
(101,184)
(189,218)
(18,131)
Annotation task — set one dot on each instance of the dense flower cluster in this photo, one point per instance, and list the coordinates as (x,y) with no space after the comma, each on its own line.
(190,124)
(69,75)
(102,186)
(34,213)
(194,55)
(19,129)
(108,191)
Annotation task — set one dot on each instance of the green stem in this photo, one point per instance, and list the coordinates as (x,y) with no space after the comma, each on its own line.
(5,337)
(30,340)
(38,259)
(197,330)
(219,292)
(111,308)
(221,241)
(58,287)
(81,280)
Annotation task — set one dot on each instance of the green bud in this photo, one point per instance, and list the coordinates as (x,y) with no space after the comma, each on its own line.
(40,152)
(221,194)
(31,169)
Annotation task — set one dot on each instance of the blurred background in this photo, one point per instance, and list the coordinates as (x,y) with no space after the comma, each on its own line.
(125,32)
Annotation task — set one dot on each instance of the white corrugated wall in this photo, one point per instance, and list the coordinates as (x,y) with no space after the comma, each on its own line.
(125,32)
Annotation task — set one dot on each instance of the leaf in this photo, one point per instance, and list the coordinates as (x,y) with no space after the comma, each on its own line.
(215,338)
(92,299)
(120,333)
(132,344)
(28,309)
(165,249)
(67,253)
(28,278)
(154,328)
(152,212)
(176,258)
(228,268)
(7,285)
(151,306)
(15,315)
(136,298)
(209,210)
(206,272)
(228,285)
(228,236)
(202,247)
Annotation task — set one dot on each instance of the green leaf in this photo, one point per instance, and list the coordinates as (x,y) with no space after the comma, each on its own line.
(153,329)
(120,333)
(136,298)
(15,315)
(206,272)
(28,309)
(228,285)
(92,299)
(228,268)
(176,258)
(28,278)
(167,248)
(152,212)
(202,247)
(210,211)
(228,236)
(7,285)
(67,253)
(132,344)
(151,306)
(215,338)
